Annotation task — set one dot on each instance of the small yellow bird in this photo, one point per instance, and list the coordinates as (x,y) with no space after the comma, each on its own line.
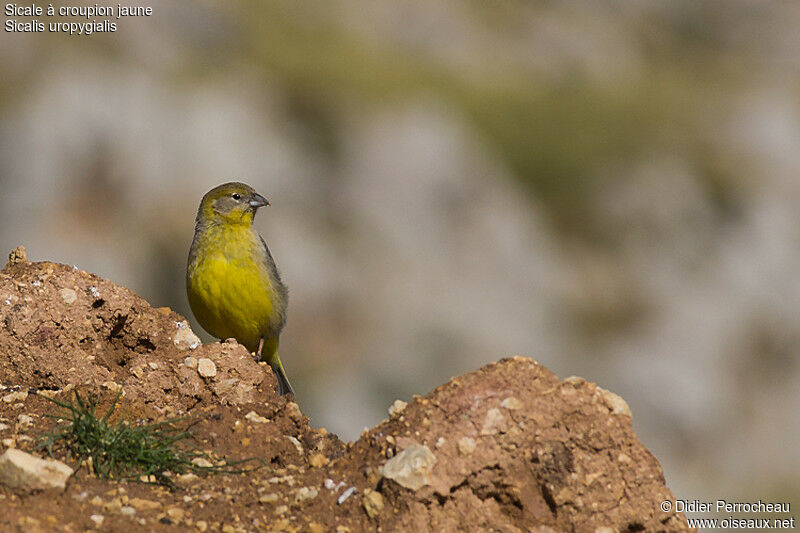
(232,282)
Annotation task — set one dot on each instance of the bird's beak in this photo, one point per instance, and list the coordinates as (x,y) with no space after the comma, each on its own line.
(258,201)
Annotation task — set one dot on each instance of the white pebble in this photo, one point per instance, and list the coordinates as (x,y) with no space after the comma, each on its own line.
(68,295)
(255,417)
(396,407)
(346,494)
(206,367)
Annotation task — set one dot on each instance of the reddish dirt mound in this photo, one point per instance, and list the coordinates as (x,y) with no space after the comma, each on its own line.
(508,447)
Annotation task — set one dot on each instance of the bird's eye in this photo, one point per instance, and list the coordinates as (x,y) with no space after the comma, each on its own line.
(236,196)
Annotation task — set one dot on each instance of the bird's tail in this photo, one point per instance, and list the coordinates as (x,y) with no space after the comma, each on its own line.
(269,353)
(284,387)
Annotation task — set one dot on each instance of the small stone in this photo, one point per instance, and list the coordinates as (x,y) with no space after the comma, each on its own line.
(305,493)
(186,478)
(201,525)
(294,412)
(282,509)
(330,485)
(372,502)
(24,420)
(68,295)
(511,403)
(110,385)
(206,367)
(19,396)
(17,255)
(318,460)
(185,338)
(175,514)
(604,529)
(298,446)
(8,443)
(22,470)
(575,381)
(466,445)
(202,462)
(190,362)
(494,423)
(615,403)
(97,519)
(268,498)
(153,365)
(397,407)
(410,468)
(255,417)
(143,505)
(113,506)
(127,510)
(345,495)
(47,393)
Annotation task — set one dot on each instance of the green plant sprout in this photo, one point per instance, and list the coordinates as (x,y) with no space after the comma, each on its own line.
(125,451)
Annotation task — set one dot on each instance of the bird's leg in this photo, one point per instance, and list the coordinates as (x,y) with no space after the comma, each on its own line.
(260,347)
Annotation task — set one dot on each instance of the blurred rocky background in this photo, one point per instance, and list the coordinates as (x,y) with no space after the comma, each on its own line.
(610,188)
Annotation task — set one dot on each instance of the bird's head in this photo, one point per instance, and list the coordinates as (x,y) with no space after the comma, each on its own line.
(231,203)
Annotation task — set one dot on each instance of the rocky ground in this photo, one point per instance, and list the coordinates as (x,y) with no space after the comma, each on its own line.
(508,447)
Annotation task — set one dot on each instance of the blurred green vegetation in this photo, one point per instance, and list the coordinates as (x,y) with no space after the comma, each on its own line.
(553,136)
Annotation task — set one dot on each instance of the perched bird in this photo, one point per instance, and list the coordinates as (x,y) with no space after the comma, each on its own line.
(233,285)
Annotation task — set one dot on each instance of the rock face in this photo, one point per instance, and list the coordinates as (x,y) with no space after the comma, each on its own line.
(64,326)
(508,447)
(20,470)
(516,448)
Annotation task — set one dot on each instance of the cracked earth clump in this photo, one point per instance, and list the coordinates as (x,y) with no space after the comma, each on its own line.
(508,447)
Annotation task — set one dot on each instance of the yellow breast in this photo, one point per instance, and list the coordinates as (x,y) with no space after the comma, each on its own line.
(229,287)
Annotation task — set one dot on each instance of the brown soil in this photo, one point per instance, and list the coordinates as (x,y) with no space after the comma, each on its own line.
(514,447)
